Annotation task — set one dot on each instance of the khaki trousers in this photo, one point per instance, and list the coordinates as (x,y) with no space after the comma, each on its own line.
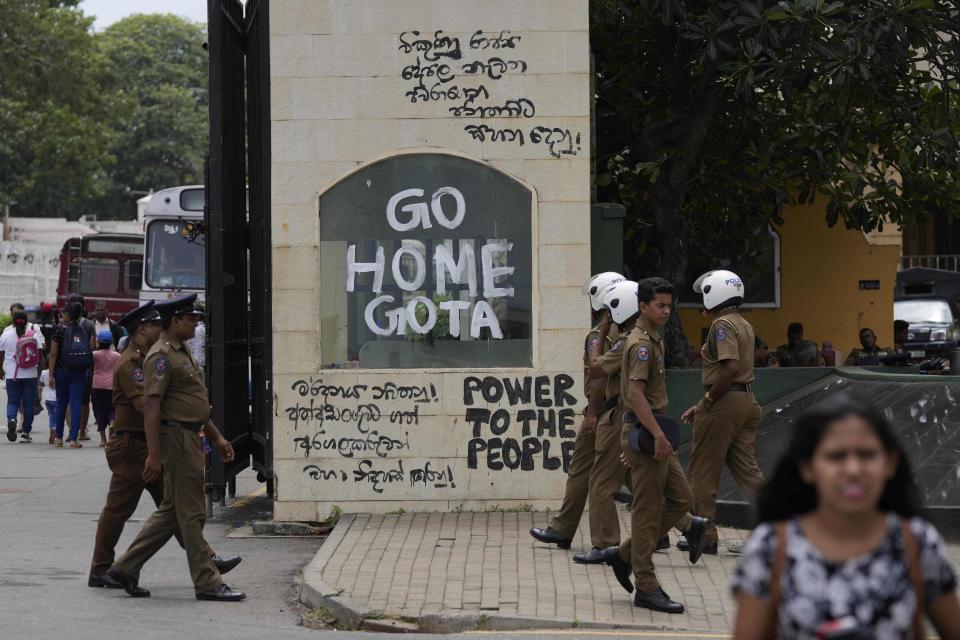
(567,519)
(661,496)
(183,506)
(724,434)
(125,456)
(605,479)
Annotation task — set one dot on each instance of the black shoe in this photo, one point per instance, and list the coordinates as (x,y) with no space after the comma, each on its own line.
(12,430)
(623,495)
(128,582)
(550,536)
(223,593)
(656,600)
(225,565)
(709,548)
(696,535)
(25,437)
(663,543)
(103,581)
(621,569)
(594,556)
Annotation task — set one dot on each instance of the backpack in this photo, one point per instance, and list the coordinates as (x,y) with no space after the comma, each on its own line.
(76,349)
(27,354)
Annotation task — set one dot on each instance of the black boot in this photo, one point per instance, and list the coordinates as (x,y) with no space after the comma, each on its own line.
(594,556)
(223,593)
(128,582)
(656,600)
(696,535)
(103,581)
(550,536)
(663,543)
(225,565)
(709,548)
(621,569)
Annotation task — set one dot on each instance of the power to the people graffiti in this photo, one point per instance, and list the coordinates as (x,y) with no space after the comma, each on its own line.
(426,261)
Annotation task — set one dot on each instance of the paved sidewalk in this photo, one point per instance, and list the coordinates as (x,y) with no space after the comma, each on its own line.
(453,571)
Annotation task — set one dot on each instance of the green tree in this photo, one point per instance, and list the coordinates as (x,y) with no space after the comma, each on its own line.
(712,115)
(55,95)
(161,120)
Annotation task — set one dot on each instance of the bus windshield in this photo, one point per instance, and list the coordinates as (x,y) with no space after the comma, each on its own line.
(176,255)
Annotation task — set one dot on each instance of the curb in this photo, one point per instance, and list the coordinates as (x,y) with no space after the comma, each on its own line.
(316,594)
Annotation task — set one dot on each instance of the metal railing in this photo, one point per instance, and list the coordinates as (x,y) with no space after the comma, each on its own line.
(944,262)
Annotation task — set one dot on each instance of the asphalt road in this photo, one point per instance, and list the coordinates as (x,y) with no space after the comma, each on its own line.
(50,500)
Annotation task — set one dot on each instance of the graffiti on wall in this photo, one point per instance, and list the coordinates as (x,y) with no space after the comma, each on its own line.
(465,75)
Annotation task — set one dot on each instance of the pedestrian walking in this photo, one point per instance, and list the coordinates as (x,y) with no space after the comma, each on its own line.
(20,349)
(104,360)
(49,396)
(841,551)
(127,450)
(725,420)
(71,361)
(176,408)
(91,328)
(661,494)
(564,524)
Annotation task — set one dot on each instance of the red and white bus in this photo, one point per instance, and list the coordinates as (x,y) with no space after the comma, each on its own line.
(102,266)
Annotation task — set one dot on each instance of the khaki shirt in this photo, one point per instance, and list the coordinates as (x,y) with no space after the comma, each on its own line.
(171,373)
(127,385)
(643,358)
(730,338)
(591,339)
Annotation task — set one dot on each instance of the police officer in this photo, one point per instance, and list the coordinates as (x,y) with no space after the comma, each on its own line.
(868,354)
(127,449)
(725,421)
(565,523)
(661,494)
(176,408)
(606,358)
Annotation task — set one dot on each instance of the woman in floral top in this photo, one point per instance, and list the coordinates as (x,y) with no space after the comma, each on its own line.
(842,492)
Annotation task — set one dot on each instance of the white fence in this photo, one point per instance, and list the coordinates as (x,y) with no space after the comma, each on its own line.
(28,273)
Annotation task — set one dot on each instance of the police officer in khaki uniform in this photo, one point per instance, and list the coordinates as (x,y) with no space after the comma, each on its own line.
(565,523)
(176,408)
(725,421)
(127,449)
(661,494)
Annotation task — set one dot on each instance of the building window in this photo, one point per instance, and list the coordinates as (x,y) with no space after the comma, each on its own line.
(426,262)
(760,272)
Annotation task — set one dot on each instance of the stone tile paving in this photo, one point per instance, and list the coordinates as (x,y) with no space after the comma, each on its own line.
(411,565)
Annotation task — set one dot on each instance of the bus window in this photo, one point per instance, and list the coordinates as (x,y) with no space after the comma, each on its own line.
(176,257)
(132,276)
(191,199)
(99,276)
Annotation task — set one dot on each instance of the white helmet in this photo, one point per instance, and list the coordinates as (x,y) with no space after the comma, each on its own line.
(719,287)
(621,299)
(597,285)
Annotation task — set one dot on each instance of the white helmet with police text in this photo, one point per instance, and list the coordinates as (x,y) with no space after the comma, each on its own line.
(621,299)
(598,284)
(720,289)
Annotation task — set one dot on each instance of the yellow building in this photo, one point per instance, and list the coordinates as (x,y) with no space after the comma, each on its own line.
(835,281)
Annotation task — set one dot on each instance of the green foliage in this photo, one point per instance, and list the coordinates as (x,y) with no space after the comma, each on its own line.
(5,321)
(334,516)
(88,117)
(441,330)
(712,116)
(55,98)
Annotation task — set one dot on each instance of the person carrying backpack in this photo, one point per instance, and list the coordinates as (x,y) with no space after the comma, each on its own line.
(71,360)
(21,351)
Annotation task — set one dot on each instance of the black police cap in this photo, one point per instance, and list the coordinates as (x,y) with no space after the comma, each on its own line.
(146,312)
(179,306)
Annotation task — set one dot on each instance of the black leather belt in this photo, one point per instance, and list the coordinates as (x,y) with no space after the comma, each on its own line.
(189,426)
(734,387)
(136,435)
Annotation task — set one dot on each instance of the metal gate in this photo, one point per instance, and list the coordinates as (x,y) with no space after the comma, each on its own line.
(238,239)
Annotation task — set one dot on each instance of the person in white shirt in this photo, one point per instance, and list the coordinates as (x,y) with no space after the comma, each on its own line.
(49,401)
(21,350)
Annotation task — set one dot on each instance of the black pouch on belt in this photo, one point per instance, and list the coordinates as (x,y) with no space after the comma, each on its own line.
(641,440)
